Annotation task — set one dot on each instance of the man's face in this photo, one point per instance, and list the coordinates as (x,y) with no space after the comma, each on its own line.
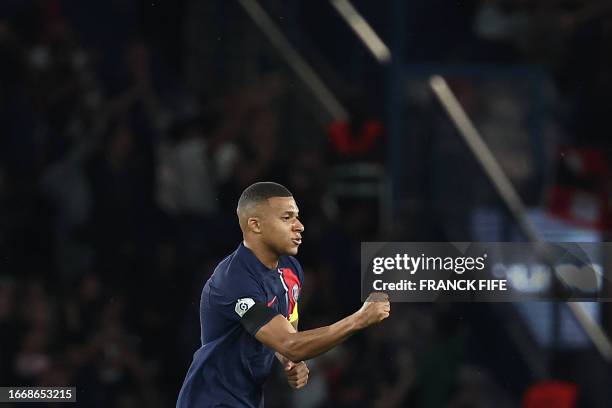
(281,228)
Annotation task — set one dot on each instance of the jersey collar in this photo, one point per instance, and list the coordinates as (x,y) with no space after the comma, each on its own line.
(251,259)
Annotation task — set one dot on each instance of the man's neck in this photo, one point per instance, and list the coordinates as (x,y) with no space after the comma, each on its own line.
(265,256)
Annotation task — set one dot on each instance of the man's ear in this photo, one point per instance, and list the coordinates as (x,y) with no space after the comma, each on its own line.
(254,224)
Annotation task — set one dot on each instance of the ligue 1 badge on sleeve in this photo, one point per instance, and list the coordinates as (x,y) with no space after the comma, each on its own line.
(243,305)
(296,292)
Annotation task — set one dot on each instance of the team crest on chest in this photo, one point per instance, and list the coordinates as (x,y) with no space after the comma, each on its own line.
(295,291)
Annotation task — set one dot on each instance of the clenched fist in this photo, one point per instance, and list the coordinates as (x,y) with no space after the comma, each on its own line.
(375,309)
(297,374)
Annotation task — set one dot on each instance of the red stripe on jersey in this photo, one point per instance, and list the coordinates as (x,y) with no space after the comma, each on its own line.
(291,280)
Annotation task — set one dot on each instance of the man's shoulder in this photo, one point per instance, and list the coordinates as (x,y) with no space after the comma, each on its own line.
(233,273)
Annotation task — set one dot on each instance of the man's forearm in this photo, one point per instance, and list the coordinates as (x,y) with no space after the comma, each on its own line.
(282,359)
(280,335)
(311,343)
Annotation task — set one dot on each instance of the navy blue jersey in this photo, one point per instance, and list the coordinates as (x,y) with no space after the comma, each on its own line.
(230,368)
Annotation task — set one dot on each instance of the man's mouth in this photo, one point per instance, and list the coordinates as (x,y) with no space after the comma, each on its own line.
(297,241)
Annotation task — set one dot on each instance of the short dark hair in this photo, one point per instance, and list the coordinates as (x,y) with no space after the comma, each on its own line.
(261,191)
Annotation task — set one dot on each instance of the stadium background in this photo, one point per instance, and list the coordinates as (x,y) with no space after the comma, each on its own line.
(129,128)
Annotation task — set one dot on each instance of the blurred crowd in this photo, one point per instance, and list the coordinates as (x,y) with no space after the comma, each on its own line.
(118,188)
(570,38)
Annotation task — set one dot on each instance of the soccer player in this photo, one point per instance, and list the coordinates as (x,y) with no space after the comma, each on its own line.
(249,309)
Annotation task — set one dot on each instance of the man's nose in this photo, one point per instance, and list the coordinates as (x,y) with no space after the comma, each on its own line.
(298,226)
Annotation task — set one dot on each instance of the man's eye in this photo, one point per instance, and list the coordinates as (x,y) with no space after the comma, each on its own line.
(286,218)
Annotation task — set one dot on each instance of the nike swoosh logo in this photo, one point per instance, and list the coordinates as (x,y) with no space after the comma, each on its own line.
(272,301)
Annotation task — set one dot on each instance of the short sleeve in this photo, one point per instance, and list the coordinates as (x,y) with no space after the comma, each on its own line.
(236,297)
